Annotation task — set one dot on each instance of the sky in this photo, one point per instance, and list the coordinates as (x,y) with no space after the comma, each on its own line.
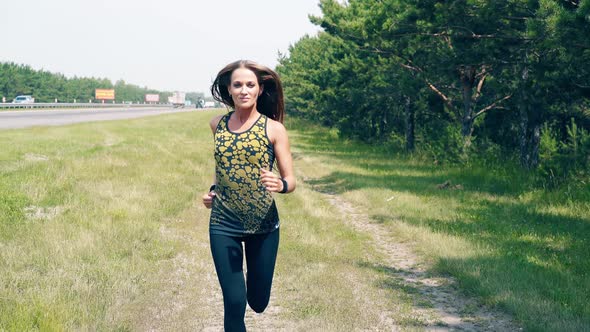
(172,45)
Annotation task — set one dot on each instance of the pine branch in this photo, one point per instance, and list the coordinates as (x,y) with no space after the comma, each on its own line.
(491,106)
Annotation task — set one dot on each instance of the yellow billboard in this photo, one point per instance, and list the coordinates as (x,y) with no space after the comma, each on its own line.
(104,94)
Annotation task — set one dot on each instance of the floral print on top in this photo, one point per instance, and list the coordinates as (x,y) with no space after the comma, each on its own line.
(242,205)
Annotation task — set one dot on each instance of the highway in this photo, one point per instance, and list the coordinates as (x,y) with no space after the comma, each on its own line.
(58,117)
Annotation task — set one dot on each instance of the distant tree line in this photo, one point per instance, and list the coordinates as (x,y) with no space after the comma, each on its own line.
(44,86)
(454,79)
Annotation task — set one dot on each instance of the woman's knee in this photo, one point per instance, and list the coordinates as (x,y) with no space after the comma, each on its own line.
(234,304)
(258,304)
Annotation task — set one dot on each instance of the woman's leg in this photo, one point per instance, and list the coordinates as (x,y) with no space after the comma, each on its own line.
(228,258)
(261,255)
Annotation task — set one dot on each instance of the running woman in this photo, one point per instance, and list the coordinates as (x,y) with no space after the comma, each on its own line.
(248,141)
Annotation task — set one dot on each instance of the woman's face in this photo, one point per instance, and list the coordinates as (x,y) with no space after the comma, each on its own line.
(244,88)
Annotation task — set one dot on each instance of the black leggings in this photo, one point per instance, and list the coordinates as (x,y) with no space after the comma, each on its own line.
(261,254)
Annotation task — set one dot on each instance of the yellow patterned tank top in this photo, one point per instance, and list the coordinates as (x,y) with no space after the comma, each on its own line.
(242,205)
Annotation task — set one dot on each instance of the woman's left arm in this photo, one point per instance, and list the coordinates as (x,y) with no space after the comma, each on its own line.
(282,149)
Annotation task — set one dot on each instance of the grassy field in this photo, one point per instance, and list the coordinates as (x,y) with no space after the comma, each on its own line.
(101,229)
(81,208)
(521,249)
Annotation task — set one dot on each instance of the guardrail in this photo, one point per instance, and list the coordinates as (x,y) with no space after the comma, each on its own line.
(74,105)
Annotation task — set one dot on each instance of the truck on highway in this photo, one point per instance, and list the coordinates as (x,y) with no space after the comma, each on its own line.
(177,99)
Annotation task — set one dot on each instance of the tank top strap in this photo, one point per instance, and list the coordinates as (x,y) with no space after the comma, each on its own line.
(260,125)
(222,124)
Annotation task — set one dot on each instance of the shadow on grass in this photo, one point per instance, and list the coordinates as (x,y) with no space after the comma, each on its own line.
(409,285)
(536,262)
(393,167)
(481,276)
(542,257)
(396,280)
(544,299)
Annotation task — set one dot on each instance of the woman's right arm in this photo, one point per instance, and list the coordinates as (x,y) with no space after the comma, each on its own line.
(208,197)
(214,122)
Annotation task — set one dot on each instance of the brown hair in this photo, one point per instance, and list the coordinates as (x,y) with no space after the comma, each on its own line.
(270,102)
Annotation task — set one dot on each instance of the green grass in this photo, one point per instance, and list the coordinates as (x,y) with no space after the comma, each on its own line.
(80,211)
(101,227)
(517,247)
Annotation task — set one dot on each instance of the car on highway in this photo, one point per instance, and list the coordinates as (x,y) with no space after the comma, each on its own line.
(23,100)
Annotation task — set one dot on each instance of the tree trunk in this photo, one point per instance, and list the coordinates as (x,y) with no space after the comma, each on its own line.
(535,143)
(410,124)
(384,123)
(529,137)
(467,80)
(374,127)
(523,130)
(529,127)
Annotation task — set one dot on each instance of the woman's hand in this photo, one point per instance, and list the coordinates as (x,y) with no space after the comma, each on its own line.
(271,181)
(208,199)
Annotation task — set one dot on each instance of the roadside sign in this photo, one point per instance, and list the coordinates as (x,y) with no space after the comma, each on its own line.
(104,94)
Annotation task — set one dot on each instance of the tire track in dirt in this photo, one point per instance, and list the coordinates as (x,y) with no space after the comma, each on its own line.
(454,311)
(188,296)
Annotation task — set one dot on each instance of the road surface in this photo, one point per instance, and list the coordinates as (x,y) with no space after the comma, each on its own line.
(57,117)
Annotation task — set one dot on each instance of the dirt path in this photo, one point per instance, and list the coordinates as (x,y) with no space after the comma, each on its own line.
(187,296)
(454,311)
